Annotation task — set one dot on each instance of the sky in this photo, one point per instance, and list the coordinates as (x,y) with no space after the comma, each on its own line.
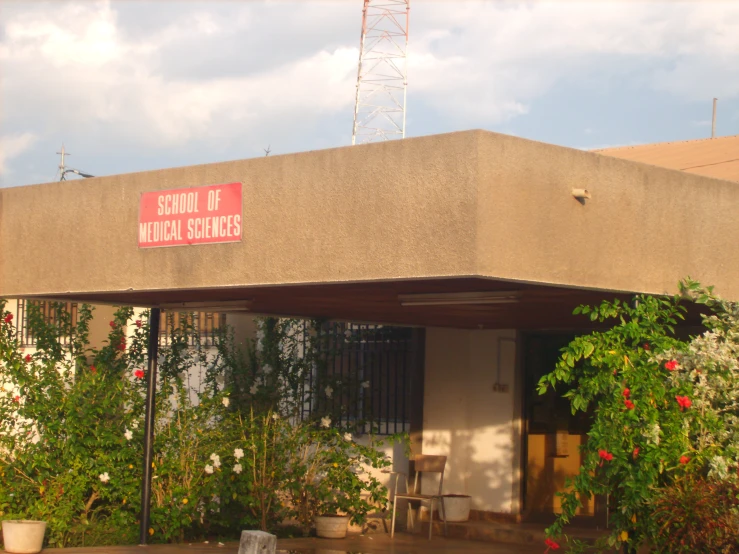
(135,85)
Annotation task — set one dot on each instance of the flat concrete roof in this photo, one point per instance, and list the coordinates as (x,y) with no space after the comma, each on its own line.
(343,232)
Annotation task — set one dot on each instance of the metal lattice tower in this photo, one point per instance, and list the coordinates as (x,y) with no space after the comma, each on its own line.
(382,79)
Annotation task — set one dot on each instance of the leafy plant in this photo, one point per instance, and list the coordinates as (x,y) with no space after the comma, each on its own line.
(664,410)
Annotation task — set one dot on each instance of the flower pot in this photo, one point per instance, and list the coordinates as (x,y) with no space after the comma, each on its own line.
(22,536)
(457,507)
(331,527)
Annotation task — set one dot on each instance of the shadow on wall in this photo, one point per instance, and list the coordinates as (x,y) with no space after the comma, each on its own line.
(479,464)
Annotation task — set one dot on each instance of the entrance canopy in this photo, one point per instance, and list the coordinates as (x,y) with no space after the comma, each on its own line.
(465,229)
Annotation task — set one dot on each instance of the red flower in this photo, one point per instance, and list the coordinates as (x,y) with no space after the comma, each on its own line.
(646,346)
(112,324)
(626,393)
(28,358)
(8,317)
(636,452)
(629,404)
(122,344)
(605,455)
(671,365)
(551,544)
(17,399)
(139,373)
(139,323)
(93,369)
(684,402)
(684,459)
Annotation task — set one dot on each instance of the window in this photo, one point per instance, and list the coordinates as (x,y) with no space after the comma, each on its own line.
(50,312)
(376,361)
(204,325)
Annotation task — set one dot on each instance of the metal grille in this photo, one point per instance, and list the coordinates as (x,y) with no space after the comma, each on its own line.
(49,314)
(352,354)
(205,326)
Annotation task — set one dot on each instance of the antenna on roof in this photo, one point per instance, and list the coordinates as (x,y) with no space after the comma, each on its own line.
(63,169)
(713,122)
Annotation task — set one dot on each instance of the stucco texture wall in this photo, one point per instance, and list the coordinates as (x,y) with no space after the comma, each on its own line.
(472,203)
(466,420)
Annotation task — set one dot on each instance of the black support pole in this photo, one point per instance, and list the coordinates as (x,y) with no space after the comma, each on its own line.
(151,389)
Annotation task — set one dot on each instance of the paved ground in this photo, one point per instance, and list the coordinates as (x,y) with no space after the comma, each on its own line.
(377,543)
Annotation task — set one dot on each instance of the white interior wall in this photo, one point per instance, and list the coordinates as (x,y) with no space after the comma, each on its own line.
(465,419)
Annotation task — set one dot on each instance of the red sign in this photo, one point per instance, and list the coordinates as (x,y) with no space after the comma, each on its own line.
(195,215)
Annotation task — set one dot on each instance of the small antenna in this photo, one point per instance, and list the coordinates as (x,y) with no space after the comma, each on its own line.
(713,123)
(267,150)
(62,167)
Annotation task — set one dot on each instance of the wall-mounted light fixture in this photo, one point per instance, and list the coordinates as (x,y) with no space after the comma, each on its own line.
(459,298)
(581,195)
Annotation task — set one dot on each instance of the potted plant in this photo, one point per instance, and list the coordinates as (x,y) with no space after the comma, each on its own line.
(22,536)
(333,485)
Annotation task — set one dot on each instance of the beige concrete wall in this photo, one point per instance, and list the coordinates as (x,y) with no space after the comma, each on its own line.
(466,420)
(461,204)
(643,230)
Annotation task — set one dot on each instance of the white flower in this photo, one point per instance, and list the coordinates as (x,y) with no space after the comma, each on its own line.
(365,384)
(266,369)
(238,469)
(348,334)
(238,453)
(135,424)
(128,434)
(719,467)
(348,437)
(209,469)
(253,389)
(329,391)
(194,416)
(216,460)
(226,401)
(8,387)
(104,477)
(326,422)
(275,416)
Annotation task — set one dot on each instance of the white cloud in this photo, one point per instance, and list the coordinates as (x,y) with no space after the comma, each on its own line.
(489,60)
(13,145)
(155,79)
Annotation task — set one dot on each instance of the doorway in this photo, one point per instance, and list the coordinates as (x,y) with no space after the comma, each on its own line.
(552,438)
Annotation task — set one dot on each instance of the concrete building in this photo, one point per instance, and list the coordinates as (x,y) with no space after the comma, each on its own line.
(482,243)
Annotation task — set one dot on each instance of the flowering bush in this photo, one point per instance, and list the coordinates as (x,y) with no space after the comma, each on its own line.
(229,453)
(664,410)
(63,457)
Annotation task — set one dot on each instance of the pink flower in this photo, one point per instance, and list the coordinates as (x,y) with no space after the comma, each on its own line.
(629,404)
(684,459)
(671,365)
(684,402)
(112,324)
(139,373)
